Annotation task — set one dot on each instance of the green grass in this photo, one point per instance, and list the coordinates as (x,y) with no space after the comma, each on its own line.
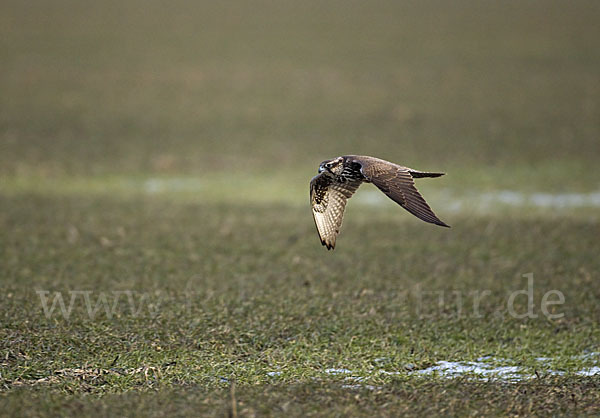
(163,152)
(555,396)
(236,292)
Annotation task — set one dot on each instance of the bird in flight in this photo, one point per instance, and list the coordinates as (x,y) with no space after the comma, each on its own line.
(339,178)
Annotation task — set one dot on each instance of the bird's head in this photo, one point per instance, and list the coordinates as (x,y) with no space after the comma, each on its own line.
(334,166)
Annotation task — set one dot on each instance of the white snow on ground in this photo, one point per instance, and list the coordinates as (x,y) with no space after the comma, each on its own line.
(592,371)
(338,371)
(486,368)
(487,200)
(483,370)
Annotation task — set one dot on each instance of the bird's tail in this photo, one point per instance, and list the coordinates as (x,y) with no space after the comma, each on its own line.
(418,174)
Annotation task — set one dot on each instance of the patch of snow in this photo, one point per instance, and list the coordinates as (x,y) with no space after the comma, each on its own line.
(358,387)
(483,201)
(486,368)
(592,371)
(338,371)
(455,369)
(542,200)
(388,373)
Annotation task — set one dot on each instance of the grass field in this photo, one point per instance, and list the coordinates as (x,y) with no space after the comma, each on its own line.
(154,168)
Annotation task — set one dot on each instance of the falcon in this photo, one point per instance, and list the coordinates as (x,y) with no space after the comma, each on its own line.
(339,178)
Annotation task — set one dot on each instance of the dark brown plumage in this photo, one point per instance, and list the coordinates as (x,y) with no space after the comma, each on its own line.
(339,178)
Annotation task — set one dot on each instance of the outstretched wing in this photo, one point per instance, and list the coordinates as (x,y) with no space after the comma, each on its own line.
(328,200)
(397,182)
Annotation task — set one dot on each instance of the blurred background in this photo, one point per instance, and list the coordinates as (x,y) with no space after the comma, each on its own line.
(166,147)
(127,95)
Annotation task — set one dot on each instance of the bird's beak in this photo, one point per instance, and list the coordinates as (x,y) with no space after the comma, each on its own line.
(321,169)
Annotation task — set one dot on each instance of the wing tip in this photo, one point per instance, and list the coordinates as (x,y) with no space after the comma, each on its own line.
(330,245)
(439,222)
